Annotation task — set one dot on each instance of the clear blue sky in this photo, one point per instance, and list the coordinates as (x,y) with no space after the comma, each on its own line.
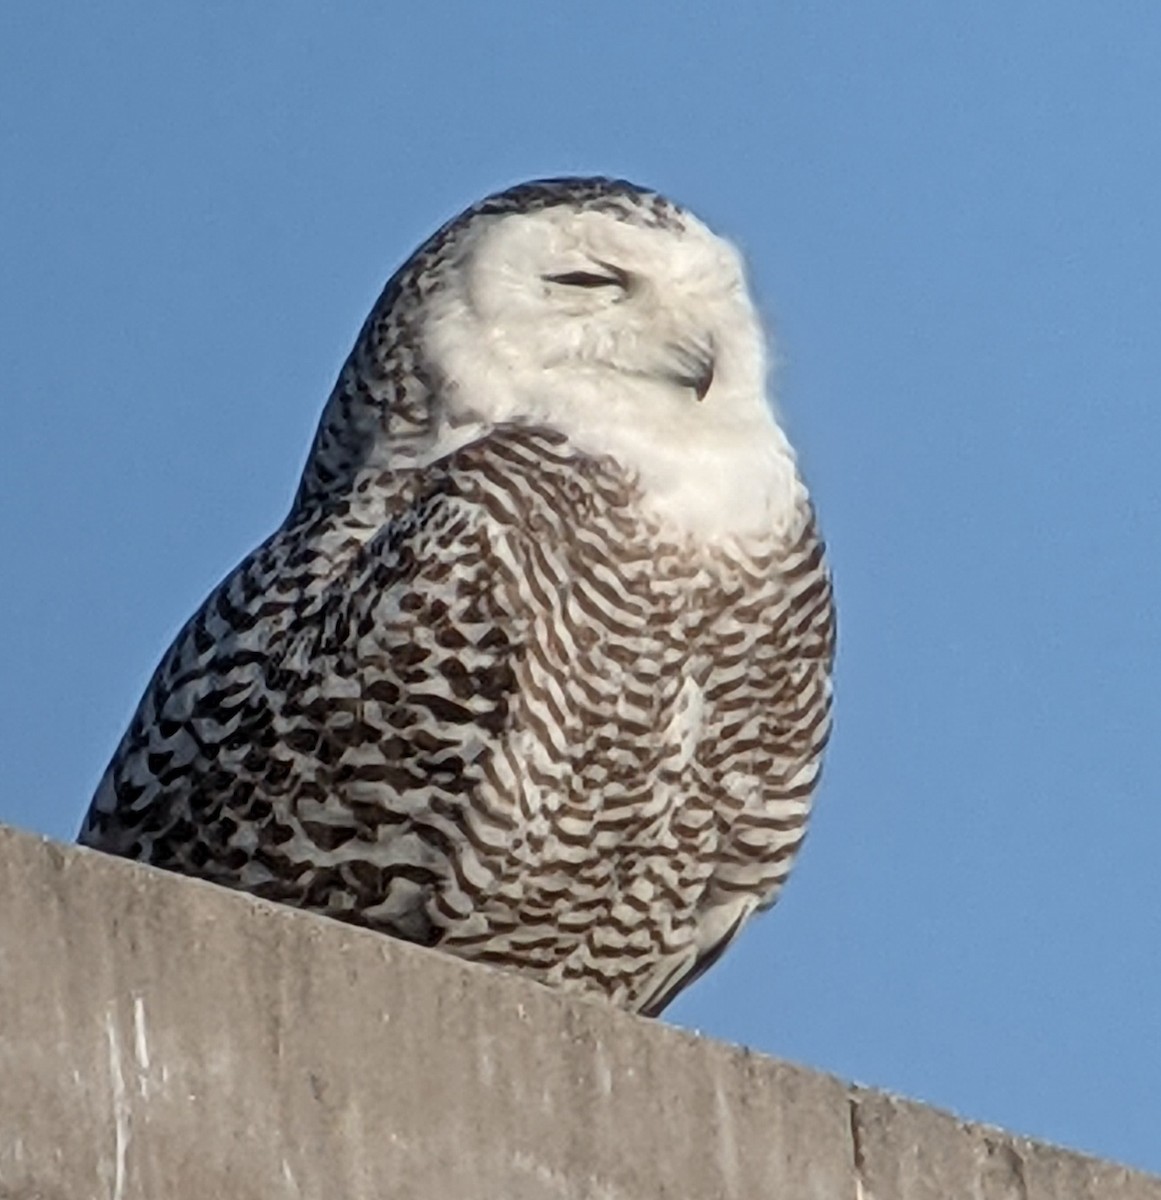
(953,219)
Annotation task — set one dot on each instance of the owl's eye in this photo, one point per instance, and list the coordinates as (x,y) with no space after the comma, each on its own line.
(589,279)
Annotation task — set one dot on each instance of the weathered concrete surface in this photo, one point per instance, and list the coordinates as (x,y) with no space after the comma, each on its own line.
(161,1038)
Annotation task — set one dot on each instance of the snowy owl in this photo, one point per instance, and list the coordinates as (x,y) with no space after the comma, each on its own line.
(537,668)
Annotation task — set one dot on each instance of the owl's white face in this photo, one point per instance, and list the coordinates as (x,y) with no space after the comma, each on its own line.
(656,317)
(636,341)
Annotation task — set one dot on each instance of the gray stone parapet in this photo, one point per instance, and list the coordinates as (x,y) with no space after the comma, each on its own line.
(163,1039)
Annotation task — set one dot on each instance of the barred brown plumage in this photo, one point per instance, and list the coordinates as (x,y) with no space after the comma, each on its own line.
(537,669)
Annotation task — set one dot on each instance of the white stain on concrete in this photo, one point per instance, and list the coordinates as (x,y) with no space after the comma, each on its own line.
(141,1046)
(120,1106)
(728,1154)
(289,1178)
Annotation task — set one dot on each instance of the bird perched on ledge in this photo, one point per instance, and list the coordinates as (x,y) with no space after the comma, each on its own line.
(537,668)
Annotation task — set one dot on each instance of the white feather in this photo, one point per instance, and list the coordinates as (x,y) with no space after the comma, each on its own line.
(601,365)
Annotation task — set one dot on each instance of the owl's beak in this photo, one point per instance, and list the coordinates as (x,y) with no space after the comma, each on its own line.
(694,366)
(705,377)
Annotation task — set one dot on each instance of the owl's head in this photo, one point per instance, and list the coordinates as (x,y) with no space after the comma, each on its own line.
(590,307)
(593,301)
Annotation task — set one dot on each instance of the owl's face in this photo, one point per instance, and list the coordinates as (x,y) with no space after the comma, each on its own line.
(622,323)
(562,312)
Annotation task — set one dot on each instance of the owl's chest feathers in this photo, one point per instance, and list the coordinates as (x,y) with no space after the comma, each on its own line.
(582,544)
(649,645)
(638,643)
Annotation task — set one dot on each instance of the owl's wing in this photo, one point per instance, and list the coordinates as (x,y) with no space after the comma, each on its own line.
(692,970)
(786,663)
(301,742)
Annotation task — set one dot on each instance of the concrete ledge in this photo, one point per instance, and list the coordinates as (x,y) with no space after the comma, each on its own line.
(161,1038)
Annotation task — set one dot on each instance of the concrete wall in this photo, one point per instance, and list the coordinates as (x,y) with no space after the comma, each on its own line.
(162,1038)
